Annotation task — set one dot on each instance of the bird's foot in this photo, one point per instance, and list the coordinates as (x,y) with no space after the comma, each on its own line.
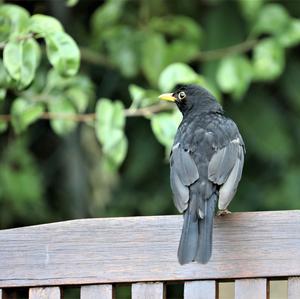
(223,212)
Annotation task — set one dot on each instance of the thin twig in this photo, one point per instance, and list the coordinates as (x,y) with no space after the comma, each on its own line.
(97,58)
(223,52)
(88,117)
(148,111)
(18,39)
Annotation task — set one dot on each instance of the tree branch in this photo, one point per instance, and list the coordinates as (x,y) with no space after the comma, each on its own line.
(88,117)
(223,52)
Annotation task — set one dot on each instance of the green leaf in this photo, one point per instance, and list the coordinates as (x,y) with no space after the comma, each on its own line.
(250,8)
(136,93)
(4,76)
(153,62)
(142,97)
(78,97)
(62,108)
(63,53)
(106,15)
(24,113)
(17,15)
(21,60)
(268,60)
(2,94)
(5,27)
(71,3)
(224,18)
(181,51)
(3,126)
(44,25)
(234,75)
(272,18)
(290,37)
(176,73)
(117,154)
(122,43)
(182,27)
(110,122)
(164,126)
(180,73)
(185,36)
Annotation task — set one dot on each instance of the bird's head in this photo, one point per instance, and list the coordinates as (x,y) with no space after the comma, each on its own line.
(192,98)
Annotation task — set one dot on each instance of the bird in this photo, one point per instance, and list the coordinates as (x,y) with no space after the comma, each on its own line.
(206,164)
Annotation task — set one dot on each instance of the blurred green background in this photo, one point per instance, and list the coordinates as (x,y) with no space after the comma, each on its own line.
(245,52)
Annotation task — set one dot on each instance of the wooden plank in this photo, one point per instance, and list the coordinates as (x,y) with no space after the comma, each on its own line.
(104,291)
(150,290)
(140,249)
(45,293)
(251,289)
(294,288)
(200,289)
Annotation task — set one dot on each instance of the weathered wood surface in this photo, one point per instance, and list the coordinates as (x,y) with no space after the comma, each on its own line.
(200,289)
(251,289)
(147,290)
(45,293)
(294,288)
(92,251)
(104,291)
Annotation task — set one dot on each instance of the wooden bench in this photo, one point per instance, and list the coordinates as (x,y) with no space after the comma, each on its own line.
(249,248)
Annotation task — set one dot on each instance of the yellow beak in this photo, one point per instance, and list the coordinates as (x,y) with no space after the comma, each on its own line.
(167,97)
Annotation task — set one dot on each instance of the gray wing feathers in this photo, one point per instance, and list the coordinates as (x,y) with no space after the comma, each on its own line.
(228,190)
(180,192)
(183,174)
(222,163)
(185,166)
(225,169)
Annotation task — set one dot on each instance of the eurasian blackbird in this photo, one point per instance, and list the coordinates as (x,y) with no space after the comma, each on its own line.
(206,165)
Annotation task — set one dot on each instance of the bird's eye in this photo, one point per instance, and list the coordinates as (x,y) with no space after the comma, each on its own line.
(181,95)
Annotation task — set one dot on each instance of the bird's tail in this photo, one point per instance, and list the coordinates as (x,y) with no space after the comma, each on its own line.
(196,237)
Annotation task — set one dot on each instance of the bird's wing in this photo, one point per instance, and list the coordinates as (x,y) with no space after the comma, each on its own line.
(225,169)
(183,174)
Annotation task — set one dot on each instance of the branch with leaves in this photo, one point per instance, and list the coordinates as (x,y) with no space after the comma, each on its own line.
(63,96)
(89,117)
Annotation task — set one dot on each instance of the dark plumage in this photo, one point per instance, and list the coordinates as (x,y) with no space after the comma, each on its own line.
(206,165)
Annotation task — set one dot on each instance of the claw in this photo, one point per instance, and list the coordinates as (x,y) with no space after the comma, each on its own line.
(223,212)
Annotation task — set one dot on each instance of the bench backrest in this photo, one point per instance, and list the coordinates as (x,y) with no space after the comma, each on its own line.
(98,253)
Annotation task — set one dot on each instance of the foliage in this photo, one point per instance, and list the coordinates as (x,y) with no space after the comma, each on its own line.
(244,52)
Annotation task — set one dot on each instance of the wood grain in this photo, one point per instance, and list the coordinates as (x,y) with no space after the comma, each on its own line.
(147,290)
(104,291)
(294,288)
(45,293)
(140,249)
(200,289)
(251,289)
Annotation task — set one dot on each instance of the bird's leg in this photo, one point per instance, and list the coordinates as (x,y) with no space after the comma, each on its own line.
(223,212)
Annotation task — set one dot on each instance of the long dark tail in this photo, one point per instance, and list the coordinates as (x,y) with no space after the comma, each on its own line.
(196,237)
